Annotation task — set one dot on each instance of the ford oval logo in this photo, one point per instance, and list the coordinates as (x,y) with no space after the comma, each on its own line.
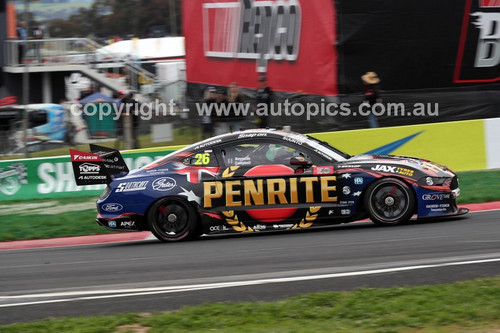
(112,207)
(164,184)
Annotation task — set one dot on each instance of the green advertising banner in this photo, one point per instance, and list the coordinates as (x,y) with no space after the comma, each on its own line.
(52,177)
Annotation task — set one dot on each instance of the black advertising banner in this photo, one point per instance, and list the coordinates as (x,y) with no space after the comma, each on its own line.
(410,44)
(444,55)
(478,57)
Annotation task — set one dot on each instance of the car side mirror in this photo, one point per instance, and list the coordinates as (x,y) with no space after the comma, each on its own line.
(300,161)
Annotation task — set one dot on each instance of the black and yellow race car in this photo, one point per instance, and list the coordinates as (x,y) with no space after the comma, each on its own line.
(262,180)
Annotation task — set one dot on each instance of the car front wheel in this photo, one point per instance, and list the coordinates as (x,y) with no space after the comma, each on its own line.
(389,201)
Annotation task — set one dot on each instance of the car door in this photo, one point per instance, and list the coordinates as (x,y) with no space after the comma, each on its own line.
(265,184)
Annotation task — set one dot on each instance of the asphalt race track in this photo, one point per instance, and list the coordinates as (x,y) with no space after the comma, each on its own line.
(149,275)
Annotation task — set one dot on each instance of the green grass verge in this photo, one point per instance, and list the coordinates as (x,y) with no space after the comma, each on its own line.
(479,186)
(23,227)
(35,223)
(35,219)
(470,306)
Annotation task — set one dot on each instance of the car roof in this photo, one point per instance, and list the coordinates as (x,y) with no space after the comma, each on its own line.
(289,136)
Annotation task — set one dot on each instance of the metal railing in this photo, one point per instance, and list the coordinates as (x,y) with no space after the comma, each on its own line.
(71,51)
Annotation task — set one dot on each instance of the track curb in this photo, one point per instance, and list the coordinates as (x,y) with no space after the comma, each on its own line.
(146,235)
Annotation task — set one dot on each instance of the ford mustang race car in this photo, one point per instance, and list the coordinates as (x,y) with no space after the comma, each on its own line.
(262,180)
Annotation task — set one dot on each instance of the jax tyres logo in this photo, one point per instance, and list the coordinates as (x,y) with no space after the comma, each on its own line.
(478,57)
(253,30)
(13,178)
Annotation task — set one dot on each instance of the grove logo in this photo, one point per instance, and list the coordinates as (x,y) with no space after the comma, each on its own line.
(13,178)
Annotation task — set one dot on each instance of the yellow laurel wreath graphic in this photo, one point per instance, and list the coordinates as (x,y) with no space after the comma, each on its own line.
(232,220)
(308,221)
(229,172)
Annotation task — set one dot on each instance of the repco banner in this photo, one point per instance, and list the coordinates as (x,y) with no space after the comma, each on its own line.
(478,58)
(53,177)
(237,40)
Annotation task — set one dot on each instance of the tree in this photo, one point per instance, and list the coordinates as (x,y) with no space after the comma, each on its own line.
(124,18)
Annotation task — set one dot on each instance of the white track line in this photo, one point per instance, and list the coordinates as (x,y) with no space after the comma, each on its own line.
(79,295)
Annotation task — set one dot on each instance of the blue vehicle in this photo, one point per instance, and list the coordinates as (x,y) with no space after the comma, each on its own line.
(46,127)
(54,126)
(263,180)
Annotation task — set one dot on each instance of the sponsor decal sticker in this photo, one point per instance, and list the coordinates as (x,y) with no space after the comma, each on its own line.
(132,186)
(346,190)
(345,211)
(163,184)
(393,169)
(323,170)
(77,156)
(272,191)
(349,166)
(112,224)
(127,224)
(358,181)
(112,207)
(216,228)
(251,135)
(436,196)
(89,168)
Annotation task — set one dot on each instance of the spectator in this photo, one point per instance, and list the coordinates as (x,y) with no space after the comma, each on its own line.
(372,94)
(264,97)
(235,100)
(21,45)
(131,108)
(38,36)
(207,119)
(222,119)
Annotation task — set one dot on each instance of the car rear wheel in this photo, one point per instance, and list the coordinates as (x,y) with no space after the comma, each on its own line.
(173,220)
(389,201)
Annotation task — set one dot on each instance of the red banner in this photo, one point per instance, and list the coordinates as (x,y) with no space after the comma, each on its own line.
(292,41)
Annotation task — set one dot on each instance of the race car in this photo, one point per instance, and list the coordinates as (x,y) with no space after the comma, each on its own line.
(262,180)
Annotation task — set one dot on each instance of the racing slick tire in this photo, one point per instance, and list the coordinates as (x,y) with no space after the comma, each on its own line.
(172,220)
(389,201)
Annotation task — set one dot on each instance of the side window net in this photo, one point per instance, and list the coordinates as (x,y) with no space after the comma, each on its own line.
(250,154)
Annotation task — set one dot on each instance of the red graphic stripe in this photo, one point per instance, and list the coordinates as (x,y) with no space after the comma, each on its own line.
(463,38)
(489,3)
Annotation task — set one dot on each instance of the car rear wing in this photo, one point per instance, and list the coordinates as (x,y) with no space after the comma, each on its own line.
(100,166)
